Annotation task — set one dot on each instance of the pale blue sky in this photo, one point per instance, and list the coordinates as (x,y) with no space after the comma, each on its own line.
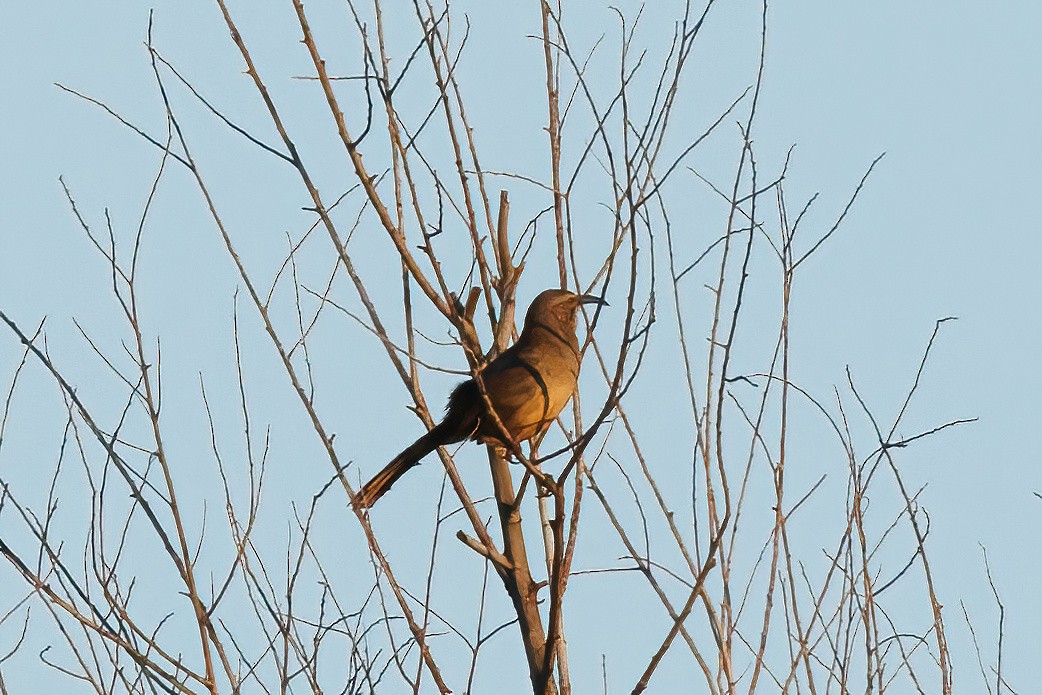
(946,226)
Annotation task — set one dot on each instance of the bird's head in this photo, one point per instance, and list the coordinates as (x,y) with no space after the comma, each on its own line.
(558,307)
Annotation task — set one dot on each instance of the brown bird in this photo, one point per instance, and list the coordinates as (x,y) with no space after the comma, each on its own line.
(528,385)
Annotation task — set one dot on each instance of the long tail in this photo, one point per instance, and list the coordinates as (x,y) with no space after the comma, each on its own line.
(382,481)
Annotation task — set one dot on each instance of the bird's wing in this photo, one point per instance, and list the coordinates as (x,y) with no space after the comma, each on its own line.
(519,395)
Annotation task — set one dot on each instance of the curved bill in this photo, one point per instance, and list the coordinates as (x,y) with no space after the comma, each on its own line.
(592,299)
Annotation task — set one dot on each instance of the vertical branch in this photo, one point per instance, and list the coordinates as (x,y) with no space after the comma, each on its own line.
(554,132)
(509,274)
(518,581)
(517,578)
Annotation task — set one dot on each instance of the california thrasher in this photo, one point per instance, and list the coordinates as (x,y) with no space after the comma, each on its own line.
(528,385)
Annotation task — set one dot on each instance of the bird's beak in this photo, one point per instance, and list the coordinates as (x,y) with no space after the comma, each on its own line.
(592,299)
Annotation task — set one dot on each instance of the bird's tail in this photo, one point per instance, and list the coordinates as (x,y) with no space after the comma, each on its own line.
(382,481)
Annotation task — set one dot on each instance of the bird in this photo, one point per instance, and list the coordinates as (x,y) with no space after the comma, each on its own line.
(528,385)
